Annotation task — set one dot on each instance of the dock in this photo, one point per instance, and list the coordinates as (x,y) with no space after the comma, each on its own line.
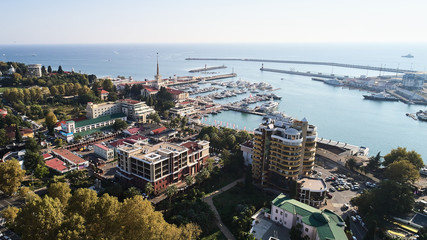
(205,69)
(344,65)
(222,76)
(307,74)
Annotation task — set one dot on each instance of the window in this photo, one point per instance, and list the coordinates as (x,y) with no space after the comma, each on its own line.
(281,213)
(275,218)
(286,215)
(297,218)
(277,211)
(306,229)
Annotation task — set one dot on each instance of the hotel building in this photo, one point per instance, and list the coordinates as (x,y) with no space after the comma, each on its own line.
(283,150)
(134,110)
(161,164)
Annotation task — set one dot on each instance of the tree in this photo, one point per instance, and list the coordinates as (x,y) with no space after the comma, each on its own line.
(189,180)
(31,160)
(50,121)
(9,214)
(131,192)
(4,139)
(149,189)
(11,176)
(49,69)
(402,154)
(32,145)
(60,190)
(41,170)
(295,233)
(171,191)
(155,117)
(72,228)
(83,202)
(44,70)
(374,162)
(422,233)
(119,125)
(402,171)
(60,71)
(351,163)
(18,136)
(107,85)
(40,218)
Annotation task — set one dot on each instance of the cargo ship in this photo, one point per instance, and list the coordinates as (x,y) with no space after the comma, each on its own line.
(408,56)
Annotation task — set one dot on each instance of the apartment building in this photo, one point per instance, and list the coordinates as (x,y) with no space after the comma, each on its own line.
(134,110)
(103,151)
(161,164)
(312,191)
(283,150)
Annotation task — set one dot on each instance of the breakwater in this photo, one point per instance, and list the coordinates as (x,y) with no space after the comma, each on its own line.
(308,74)
(205,69)
(344,65)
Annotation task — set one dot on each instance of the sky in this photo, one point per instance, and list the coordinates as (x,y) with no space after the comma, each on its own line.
(214,21)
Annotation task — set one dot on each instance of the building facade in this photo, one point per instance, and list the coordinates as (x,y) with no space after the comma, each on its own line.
(161,164)
(103,151)
(134,110)
(284,149)
(312,191)
(182,111)
(414,80)
(315,224)
(35,70)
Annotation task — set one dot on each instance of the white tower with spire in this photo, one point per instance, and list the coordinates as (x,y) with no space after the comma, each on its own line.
(158,82)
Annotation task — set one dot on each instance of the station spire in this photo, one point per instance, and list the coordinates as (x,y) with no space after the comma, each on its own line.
(157,64)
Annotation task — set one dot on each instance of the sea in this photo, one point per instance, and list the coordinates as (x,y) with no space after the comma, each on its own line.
(339,113)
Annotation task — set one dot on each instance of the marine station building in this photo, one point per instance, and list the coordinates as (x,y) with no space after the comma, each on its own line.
(161,164)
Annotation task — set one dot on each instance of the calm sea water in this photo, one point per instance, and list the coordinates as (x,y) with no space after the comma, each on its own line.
(340,114)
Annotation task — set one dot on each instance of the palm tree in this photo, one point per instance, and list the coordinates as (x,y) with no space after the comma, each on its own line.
(351,163)
(189,180)
(149,189)
(171,191)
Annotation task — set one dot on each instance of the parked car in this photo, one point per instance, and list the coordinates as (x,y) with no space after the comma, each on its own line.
(344,207)
(332,189)
(329,195)
(359,218)
(353,219)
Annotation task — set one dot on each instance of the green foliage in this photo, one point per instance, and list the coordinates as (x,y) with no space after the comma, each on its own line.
(149,189)
(402,171)
(41,170)
(422,233)
(61,191)
(31,160)
(50,121)
(60,71)
(119,125)
(155,117)
(11,176)
(79,179)
(171,191)
(374,162)
(4,139)
(131,192)
(163,100)
(402,154)
(295,233)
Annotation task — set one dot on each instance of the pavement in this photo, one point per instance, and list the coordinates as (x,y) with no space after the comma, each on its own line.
(208,199)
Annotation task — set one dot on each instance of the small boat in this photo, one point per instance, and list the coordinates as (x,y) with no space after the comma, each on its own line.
(422,115)
(408,56)
(423,171)
(382,96)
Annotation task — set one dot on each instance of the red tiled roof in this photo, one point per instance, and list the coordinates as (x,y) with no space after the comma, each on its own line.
(56,164)
(58,124)
(104,92)
(159,130)
(101,146)
(121,141)
(65,154)
(130,101)
(133,130)
(46,156)
(151,89)
(174,91)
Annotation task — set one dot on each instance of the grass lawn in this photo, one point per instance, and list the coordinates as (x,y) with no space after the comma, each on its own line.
(226,202)
(218,179)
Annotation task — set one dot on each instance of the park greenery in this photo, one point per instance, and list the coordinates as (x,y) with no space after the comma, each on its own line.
(395,194)
(84,215)
(11,176)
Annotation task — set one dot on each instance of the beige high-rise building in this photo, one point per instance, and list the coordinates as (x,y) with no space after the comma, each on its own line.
(134,110)
(284,149)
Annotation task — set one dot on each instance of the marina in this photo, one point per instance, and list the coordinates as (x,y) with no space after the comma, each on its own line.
(307,74)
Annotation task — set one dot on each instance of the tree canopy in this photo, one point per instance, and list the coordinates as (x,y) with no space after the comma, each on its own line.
(11,176)
(402,171)
(402,154)
(119,125)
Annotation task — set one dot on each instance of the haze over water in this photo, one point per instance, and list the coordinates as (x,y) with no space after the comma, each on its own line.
(340,114)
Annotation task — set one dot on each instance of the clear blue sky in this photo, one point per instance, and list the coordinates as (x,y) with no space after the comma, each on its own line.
(217,21)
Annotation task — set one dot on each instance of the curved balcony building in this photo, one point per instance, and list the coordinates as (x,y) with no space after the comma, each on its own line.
(284,150)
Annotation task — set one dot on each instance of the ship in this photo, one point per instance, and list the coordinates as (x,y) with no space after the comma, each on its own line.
(423,171)
(269,106)
(334,82)
(382,96)
(408,56)
(422,115)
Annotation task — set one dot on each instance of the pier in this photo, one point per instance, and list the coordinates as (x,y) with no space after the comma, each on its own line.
(308,74)
(239,109)
(205,69)
(344,65)
(222,76)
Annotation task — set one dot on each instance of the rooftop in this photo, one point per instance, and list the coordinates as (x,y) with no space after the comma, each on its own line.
(65,154)
(174,91)
(328,224)
(99,119)
(312,184)
(47,156)
(128,139)
(104,92)
(101,146)
(129,101)
(56,164)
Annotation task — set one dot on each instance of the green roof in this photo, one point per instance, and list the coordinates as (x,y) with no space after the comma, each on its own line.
(88,132)
(99,119)
(328,224)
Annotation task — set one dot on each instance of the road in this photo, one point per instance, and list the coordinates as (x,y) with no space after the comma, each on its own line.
(208,199)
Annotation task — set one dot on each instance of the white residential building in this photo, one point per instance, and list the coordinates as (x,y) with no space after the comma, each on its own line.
(35,70)
(103,151)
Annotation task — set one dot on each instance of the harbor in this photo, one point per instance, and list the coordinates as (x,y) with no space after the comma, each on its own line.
(307,74)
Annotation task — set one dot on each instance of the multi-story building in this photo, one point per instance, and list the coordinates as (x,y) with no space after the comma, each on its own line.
(103,151)
(284,149)
(161,164)
(35,70)
(134,110)
(312,191)
(182,111)
(414,80)
(314,223)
